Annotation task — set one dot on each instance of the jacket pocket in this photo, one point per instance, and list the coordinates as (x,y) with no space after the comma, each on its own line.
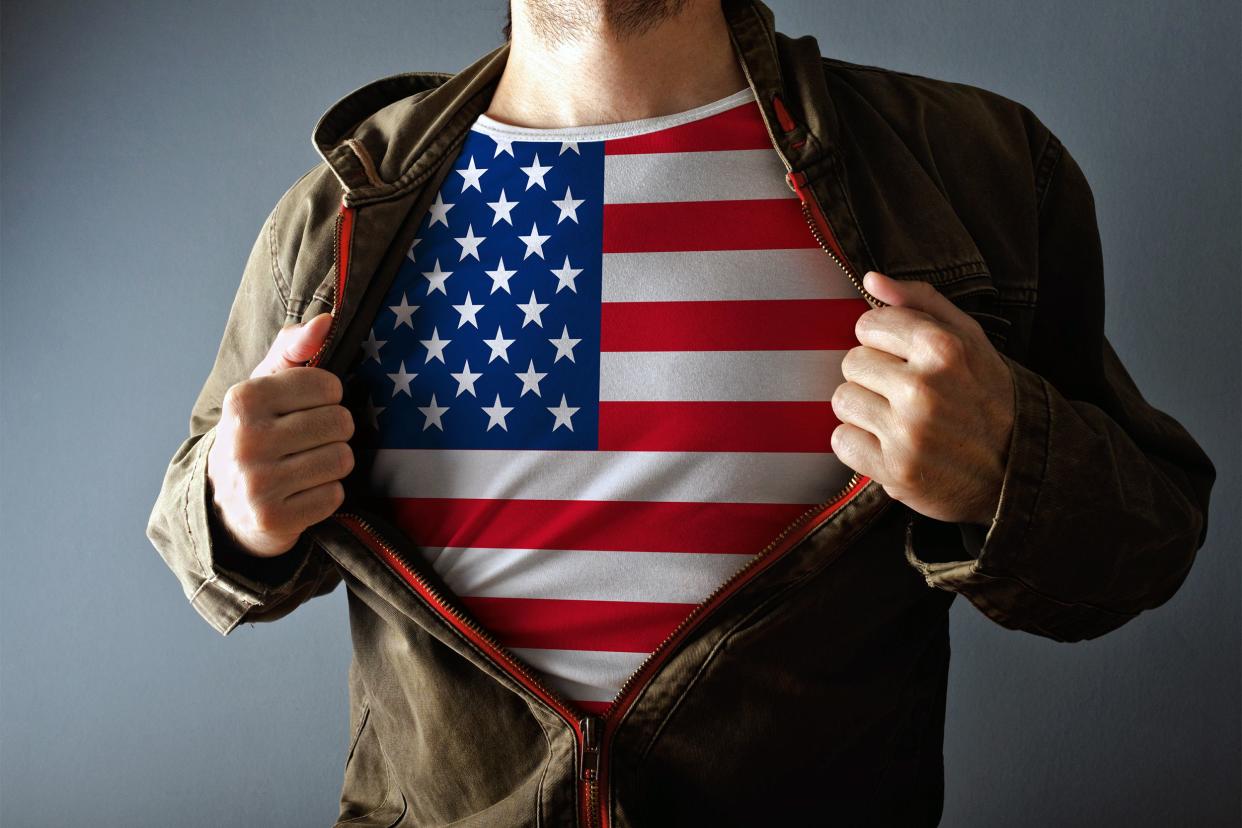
(369,794)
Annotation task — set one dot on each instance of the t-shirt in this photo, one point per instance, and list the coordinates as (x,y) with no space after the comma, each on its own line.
(600,381)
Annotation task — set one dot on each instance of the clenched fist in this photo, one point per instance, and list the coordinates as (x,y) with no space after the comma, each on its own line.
(281,445)
(927,406)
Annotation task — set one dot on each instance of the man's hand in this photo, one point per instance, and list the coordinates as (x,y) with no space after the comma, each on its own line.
(926,408)
(280,450)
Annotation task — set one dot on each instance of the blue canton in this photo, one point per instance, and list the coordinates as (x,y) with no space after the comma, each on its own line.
(489,336)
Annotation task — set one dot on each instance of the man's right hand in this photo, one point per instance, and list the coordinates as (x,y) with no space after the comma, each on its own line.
(281,445)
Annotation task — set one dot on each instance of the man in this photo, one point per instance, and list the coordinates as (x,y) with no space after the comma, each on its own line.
(654,384)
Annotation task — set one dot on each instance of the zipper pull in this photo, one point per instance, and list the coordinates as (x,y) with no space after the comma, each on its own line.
(588,768)
(795,180)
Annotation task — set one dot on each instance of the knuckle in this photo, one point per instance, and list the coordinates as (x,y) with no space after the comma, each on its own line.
(238,399)
(838,441)
(866,322)
(336,494)
(331,388)
(343,462)
(942,347)
(905,474)
(851,361)
(840,398)
(345,422)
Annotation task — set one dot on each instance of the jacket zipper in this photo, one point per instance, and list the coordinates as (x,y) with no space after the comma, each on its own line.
(594,731)
(342,240)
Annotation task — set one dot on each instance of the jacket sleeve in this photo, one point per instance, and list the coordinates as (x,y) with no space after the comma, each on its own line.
(223,583)
(1104,501)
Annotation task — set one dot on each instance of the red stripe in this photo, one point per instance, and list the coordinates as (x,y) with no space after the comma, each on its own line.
(635,526)
(716,426)
(731,325)
(597,707)
(738,128)
(612,626)
(727,224)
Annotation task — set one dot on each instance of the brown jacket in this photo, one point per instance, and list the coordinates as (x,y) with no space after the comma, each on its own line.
(813,682)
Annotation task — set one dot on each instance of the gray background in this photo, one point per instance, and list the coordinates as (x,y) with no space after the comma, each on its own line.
(144,142)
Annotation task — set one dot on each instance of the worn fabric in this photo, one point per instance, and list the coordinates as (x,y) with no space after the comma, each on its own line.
(813,688)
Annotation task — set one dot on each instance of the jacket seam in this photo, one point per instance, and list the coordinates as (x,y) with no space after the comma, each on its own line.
(950,273)
(195,544)
(283,288)
(543,777)
(1043,470)
(362,722)
(1049,161)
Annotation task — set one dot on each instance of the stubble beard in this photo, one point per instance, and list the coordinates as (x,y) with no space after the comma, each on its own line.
(563,21)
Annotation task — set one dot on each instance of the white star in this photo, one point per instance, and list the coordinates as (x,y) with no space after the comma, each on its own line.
(503,144)
(372,346)
(436,278)
(499,346)
(401,381)
(535,173)
(410,253)
(404,312)
(530,380)
(435,346)
(502,208)
(532,309)
(564,414)
(471,174)
(469,312)
(469,243)
(568,206)
(465,379)
(500,277)
(496,414)
(439,212)
(565,276)
(573,145)
(433,413)
(564,345)
(534,241)
(373,412)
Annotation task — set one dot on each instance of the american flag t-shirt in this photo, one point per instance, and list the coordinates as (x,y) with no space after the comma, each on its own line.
(600,381)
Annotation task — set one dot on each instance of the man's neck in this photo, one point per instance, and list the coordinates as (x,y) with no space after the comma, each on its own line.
(594,74)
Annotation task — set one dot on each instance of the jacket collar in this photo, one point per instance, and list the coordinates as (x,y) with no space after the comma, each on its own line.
(386,137)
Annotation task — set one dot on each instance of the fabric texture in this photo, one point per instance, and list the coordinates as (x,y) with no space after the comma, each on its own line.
(814,689)
(601,382)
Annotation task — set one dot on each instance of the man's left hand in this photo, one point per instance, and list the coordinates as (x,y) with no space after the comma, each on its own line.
(926,408)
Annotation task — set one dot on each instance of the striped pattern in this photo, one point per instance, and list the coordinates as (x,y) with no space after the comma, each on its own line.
(721,326)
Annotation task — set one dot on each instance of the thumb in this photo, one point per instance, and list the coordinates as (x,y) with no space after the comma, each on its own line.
(295,344)
(915,294)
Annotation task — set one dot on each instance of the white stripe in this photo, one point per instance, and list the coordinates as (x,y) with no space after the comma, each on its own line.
(696,477)
(586,675)
(583,575)
(705,275)
(716,175)
(719,375)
